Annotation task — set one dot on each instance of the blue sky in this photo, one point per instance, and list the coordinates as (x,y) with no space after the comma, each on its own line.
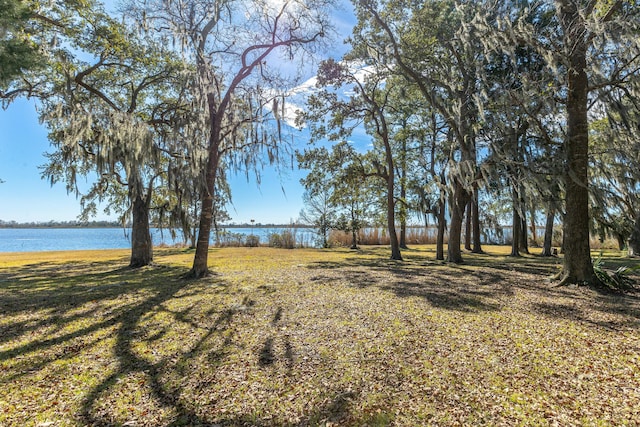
(25,197)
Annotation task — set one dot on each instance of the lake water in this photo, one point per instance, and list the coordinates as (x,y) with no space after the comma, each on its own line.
(64,239)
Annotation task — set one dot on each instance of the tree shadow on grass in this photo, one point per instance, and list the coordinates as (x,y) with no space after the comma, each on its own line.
(59,300)
(626,308)
(58,317)
(130,362)
(120,303)
(75,311)
(478,284)
(441,285)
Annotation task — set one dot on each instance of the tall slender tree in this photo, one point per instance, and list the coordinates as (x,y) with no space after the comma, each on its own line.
(435,46)
(341,171)
(331,115)
(235,46)
(589,47)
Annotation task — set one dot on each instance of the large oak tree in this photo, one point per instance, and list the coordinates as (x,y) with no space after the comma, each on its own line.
(238,48)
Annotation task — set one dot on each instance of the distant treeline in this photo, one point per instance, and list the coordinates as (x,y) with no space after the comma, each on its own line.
(60,224)
(111,224)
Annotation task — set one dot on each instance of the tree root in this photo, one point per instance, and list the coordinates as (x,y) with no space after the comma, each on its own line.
(566,280)
(195,275)
(556,276)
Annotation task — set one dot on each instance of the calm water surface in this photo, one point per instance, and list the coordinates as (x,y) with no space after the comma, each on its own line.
(64,239)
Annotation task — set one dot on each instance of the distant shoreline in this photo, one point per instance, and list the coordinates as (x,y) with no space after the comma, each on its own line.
(108,224)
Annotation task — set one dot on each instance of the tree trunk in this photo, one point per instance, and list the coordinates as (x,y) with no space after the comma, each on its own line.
(354,230)
(325,232)
(403,234)
(634,239)
(532,226)
(201,259)
(621,241)
(441,229)
(216,229)
(577,266)
(524,235)
(548,232)
(141,245)
(467,227)
(441,223)
(475,218)
(393,236)
(458,203)
(515,224)
(403,198)
(391,204)
(562,240)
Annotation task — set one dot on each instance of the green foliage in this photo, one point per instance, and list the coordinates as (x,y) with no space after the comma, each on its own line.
(286,239)
(229,239)
(252,241)
(18,52)
(338,193)
(619,280)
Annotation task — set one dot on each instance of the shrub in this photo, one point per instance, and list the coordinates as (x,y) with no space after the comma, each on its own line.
(288,239)
(619,280)
(228,239)
(275,240)
(252,241)
(285,239)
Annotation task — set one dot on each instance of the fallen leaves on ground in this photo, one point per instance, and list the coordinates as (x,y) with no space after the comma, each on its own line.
(311,337)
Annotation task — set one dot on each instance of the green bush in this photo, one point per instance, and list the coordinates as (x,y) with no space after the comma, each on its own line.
(618,280)
(228,239)
(252,241)
(286,239)
(275,240)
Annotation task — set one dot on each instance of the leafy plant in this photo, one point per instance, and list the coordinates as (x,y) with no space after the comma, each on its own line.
(619,280)
(252,241)
(286,239)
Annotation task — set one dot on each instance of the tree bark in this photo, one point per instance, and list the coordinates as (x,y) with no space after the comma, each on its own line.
(634,239)
(403,234)
(200,266)
(354,239)
(441,222)
(475,218)
(458,203)
(403,198)
(532,226)
(141,244)
(467,227)
(548,232)
(325,232)
(524,235)
(515,223)
(354,230)
(441,229)
(621,241)
(391,218)
(577,267)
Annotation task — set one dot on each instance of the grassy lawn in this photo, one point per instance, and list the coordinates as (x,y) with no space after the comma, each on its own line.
(312,337)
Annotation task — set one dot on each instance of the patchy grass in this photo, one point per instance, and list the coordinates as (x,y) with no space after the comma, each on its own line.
(311,337)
